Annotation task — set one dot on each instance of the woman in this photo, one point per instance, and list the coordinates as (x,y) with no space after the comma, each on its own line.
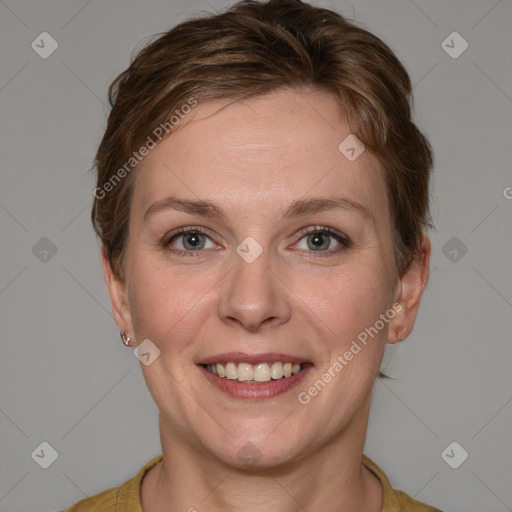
(262,201)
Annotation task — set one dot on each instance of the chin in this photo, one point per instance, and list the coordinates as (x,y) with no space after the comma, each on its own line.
(255,448)
(255,457)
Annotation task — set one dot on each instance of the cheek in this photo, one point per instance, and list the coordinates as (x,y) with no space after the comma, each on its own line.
(166,305)
(346,301)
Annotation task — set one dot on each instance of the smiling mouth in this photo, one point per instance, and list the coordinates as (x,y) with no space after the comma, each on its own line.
(255,373)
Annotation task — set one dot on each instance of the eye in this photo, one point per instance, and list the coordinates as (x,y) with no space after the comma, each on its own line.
(322,239)
(189,240)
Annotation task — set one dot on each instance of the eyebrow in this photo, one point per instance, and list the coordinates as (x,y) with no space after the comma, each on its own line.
(298,208)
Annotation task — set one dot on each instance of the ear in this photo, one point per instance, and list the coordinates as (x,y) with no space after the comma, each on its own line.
(118,296)
(410,290)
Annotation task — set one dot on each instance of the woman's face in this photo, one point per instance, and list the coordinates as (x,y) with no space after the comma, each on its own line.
(255,280)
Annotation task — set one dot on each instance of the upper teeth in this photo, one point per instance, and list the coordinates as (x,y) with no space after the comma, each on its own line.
(262,372)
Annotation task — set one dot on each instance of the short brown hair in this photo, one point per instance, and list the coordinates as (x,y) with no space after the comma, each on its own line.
(251,49)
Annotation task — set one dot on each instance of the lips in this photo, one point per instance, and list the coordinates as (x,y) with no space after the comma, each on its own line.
(242,357)
(254,376)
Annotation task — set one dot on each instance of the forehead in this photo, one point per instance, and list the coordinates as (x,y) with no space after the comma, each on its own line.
(265,151)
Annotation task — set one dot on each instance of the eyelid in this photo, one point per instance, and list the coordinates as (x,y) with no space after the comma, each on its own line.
(323,229)
(185,230)
(344,243)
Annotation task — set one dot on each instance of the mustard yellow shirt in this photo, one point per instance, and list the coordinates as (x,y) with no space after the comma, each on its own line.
(127,497)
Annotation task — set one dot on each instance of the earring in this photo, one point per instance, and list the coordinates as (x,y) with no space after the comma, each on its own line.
(125,339)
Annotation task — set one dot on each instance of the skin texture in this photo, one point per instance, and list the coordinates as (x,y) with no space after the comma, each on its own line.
(253,158)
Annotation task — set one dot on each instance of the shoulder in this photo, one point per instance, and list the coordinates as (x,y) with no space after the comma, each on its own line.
(393,499)
(125,498)
(404,503)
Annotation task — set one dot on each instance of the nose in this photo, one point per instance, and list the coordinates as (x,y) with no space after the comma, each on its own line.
(253,296)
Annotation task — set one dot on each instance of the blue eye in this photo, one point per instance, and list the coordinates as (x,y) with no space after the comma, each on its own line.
(190,241)
(320,239)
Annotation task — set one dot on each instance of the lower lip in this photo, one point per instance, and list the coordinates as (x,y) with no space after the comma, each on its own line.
(259,391)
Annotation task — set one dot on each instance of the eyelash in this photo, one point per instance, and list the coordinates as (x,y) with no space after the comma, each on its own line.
(342,239)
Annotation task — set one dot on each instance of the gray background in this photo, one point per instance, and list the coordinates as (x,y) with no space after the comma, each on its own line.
(66,378)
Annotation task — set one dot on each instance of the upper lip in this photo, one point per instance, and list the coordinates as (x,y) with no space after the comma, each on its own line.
(242,357)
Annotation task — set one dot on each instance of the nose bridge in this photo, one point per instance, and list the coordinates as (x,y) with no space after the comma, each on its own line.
(253,295)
